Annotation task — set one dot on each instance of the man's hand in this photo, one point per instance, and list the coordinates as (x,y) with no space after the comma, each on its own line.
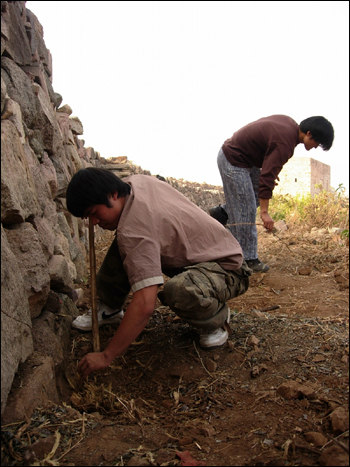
(133,323)
(268,221)
(93,362)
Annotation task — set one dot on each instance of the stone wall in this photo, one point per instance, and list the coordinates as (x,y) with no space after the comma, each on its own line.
(301,175)
(320,175)
(201,194)
(43,247)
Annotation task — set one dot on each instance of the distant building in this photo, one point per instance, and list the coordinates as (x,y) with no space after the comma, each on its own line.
(300,175)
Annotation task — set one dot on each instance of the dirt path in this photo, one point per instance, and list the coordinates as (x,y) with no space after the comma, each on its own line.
(282,375)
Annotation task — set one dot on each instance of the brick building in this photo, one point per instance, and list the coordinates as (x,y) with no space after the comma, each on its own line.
(300,175)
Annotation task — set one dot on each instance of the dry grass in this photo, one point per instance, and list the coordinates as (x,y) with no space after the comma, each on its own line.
(325,210)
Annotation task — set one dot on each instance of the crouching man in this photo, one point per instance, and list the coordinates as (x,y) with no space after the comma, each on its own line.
(157,231)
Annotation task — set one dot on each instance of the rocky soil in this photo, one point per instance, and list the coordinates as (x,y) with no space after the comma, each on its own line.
(276,394)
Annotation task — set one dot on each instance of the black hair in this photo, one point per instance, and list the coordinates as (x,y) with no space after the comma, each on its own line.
(321,130)
(92,186)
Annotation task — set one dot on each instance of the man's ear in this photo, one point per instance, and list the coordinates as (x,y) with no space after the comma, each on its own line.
(115,195)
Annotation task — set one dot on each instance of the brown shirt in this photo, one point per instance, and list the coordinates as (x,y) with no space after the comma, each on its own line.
(160,229)
(267,143)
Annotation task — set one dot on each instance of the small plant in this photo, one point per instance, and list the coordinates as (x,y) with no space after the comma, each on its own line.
(323,210)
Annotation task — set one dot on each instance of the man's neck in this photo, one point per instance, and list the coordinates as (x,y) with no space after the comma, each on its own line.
(301,136)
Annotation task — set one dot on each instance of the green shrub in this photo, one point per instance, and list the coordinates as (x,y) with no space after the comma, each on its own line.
(323,210)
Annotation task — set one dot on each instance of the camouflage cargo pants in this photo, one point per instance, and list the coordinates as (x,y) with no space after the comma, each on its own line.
(197,294)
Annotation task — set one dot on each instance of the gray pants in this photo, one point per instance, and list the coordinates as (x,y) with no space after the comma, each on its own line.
(241,195)
(197,294)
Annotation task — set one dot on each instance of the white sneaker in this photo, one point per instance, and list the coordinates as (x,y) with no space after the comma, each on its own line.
(215,338)
(105,315)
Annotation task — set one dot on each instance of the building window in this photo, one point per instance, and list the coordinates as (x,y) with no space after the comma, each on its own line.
(295,179)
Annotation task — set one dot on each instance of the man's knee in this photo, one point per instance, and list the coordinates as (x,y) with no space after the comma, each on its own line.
(240,279)
(181,291)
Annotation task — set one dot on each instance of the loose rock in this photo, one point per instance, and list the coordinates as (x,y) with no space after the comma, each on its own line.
(340,420)
(294,390)
(334,456)
(317,439)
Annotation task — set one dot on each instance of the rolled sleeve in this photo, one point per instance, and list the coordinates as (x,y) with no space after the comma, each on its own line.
(159,280)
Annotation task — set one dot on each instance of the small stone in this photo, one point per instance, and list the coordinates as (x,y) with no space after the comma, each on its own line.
(253,341)
(135,461)
(304,403)
(41,448)
(206,431)
(334,456)
(318,358)
(258,314)
(294,390)
(167,403)
(210,365)
(280,225)
(317,439)
(340,420)
(65,109)
(164,457)
(305,271)
(257,370)
(185,441)
(97,415)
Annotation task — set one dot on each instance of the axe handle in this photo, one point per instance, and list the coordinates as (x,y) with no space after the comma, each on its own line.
(95,328)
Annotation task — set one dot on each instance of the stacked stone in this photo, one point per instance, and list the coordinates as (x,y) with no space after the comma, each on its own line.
(43,247)
(203,195)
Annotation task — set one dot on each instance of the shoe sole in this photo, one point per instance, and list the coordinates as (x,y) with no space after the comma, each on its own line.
(106,321)
(218,344)
(260,270)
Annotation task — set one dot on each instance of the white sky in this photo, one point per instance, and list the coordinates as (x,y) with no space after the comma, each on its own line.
(165,83)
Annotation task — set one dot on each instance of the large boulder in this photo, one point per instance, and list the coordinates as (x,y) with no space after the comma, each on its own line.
(37,43)
(46,234)
(75,252)
(38,388)
(13,32)
(33,266)
(20,89)
(16,325)
(42,373)
(18,193)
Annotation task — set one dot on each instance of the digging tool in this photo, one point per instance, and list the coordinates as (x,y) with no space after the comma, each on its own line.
(95,328)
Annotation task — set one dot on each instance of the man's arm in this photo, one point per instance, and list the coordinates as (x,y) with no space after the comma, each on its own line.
(264,214)
(133,323)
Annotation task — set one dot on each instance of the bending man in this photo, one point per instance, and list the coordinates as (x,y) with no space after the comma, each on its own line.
(158,231)
(249,163)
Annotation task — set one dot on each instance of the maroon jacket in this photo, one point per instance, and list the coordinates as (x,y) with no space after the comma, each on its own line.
(267,143)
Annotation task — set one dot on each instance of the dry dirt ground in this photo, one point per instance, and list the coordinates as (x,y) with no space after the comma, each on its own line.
(276,394)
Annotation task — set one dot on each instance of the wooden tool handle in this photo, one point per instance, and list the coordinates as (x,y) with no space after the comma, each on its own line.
(95,329)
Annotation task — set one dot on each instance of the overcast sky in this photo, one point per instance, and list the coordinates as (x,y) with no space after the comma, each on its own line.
(165,83)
